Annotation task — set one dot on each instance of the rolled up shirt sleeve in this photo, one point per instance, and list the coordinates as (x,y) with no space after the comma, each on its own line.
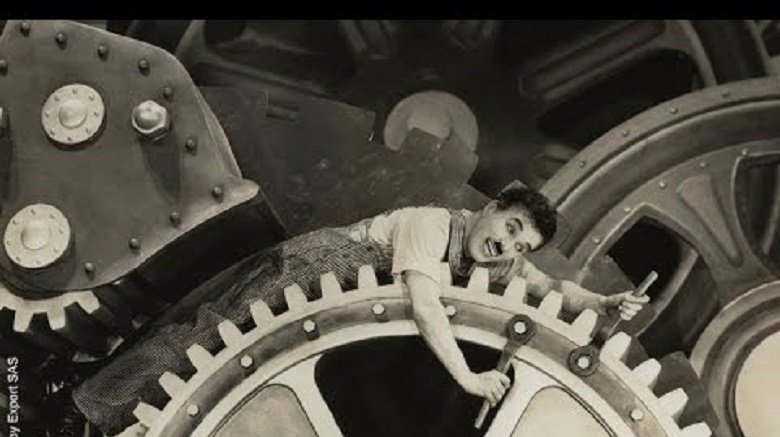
(420,241)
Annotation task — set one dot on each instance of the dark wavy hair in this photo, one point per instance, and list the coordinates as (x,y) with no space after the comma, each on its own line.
(535,203)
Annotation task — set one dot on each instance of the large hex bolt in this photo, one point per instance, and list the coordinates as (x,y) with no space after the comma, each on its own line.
(151,120)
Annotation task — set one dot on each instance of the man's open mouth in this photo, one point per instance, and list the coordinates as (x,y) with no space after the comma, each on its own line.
(492,248)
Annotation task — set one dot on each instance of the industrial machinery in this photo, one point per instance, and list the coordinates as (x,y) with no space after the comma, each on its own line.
(142,159)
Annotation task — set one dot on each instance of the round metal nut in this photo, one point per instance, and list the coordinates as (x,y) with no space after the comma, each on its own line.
(520,328)
(309,326)
(636,415)
(450,310)
(37,236)
(151,120)
(193,410)
(246,361)
(378,309)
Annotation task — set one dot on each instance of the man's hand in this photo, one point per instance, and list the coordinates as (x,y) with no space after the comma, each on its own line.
(490,385)
(626,303)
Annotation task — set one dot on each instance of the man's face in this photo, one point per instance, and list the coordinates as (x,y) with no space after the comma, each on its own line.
(502,235)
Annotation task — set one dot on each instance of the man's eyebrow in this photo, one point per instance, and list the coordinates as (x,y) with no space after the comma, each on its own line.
(518,222)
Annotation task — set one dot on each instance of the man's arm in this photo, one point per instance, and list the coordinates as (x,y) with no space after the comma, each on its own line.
(576,298)
(434,326)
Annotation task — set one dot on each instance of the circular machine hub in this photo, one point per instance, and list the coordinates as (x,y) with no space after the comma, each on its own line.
(73,114)
(436,112)
(277,378)
(36,236)
(690,189)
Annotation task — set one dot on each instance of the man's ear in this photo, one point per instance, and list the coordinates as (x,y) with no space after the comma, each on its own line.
(490,207)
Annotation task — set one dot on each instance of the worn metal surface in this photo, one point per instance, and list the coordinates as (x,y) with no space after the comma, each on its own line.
(318,166)
(282,350)
(127,187)
(702,169)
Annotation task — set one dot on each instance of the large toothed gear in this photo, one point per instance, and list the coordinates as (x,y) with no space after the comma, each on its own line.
(271,367)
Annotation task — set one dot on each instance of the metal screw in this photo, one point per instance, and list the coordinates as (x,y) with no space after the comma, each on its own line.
(25,28)
(193,410)
(89,268)
(596,240)
(61,39)
(3,66)
(636,415)
(216,192)
(662,185)
(378,309)
(175,218)
(583,362)
(309,326)
(703,164)
(581,163)
(168,92)
(246,361)
(134,244)
(102,51)
(143,66)
(673,110)
(626,132)
(191,145)
(450,310)
(520,328)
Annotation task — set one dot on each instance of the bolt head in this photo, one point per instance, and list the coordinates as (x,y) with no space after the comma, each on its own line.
(246,361)
(583,362)
(151,120)
(89,268)
(378,309)
(309,326)
(61,39)
(217,193)
(168,92)
(636,415)
(25,28)
(102,51)
(520,328)
(3,66)
(134,244)
(450,310)
(143,66)
(191,145)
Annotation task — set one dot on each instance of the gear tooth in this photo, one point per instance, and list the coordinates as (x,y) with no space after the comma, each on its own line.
(445,274)
(229,333)
(261,314)
(367,277)
(479,281)
(172,384)
(586,322)
(22,320)
(135,430)
(199,356)
(648,372)
(295,297)
(674,402)
(146,413)
(617,346)
(56,317)
(88,302)
(697,430)
(552,304)
(330,286)
(516,290)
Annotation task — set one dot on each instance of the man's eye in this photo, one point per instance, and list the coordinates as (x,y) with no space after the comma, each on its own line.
(510,228)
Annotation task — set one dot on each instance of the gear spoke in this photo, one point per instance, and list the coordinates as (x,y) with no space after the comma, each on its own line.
(562,73)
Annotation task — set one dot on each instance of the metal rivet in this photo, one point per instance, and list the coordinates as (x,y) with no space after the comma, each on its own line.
(662,185)
(520,328)
(175,217)
(102,51)
(378,309)
(450,310)
(726,94)
(744,152)
(193,410)
(134,243)
(626,132)
(309,326)
(89,267)
(596,240)
(168,92)
(627,209)
(636,415)
(61,39)
(581,163)
(673,110)
(191,145)
(143,66)
(246,361)
(216,192)
(3,66)
(703,164)
(25,28)
(583,362)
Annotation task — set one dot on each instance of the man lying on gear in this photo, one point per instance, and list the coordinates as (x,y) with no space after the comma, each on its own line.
(409,243)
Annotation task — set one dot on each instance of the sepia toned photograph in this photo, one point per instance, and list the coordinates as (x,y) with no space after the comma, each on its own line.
(390,228)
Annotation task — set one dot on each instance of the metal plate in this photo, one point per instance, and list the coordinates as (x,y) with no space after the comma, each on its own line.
(116,186)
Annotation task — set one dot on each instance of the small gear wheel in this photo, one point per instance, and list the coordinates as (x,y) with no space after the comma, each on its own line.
(265,380)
